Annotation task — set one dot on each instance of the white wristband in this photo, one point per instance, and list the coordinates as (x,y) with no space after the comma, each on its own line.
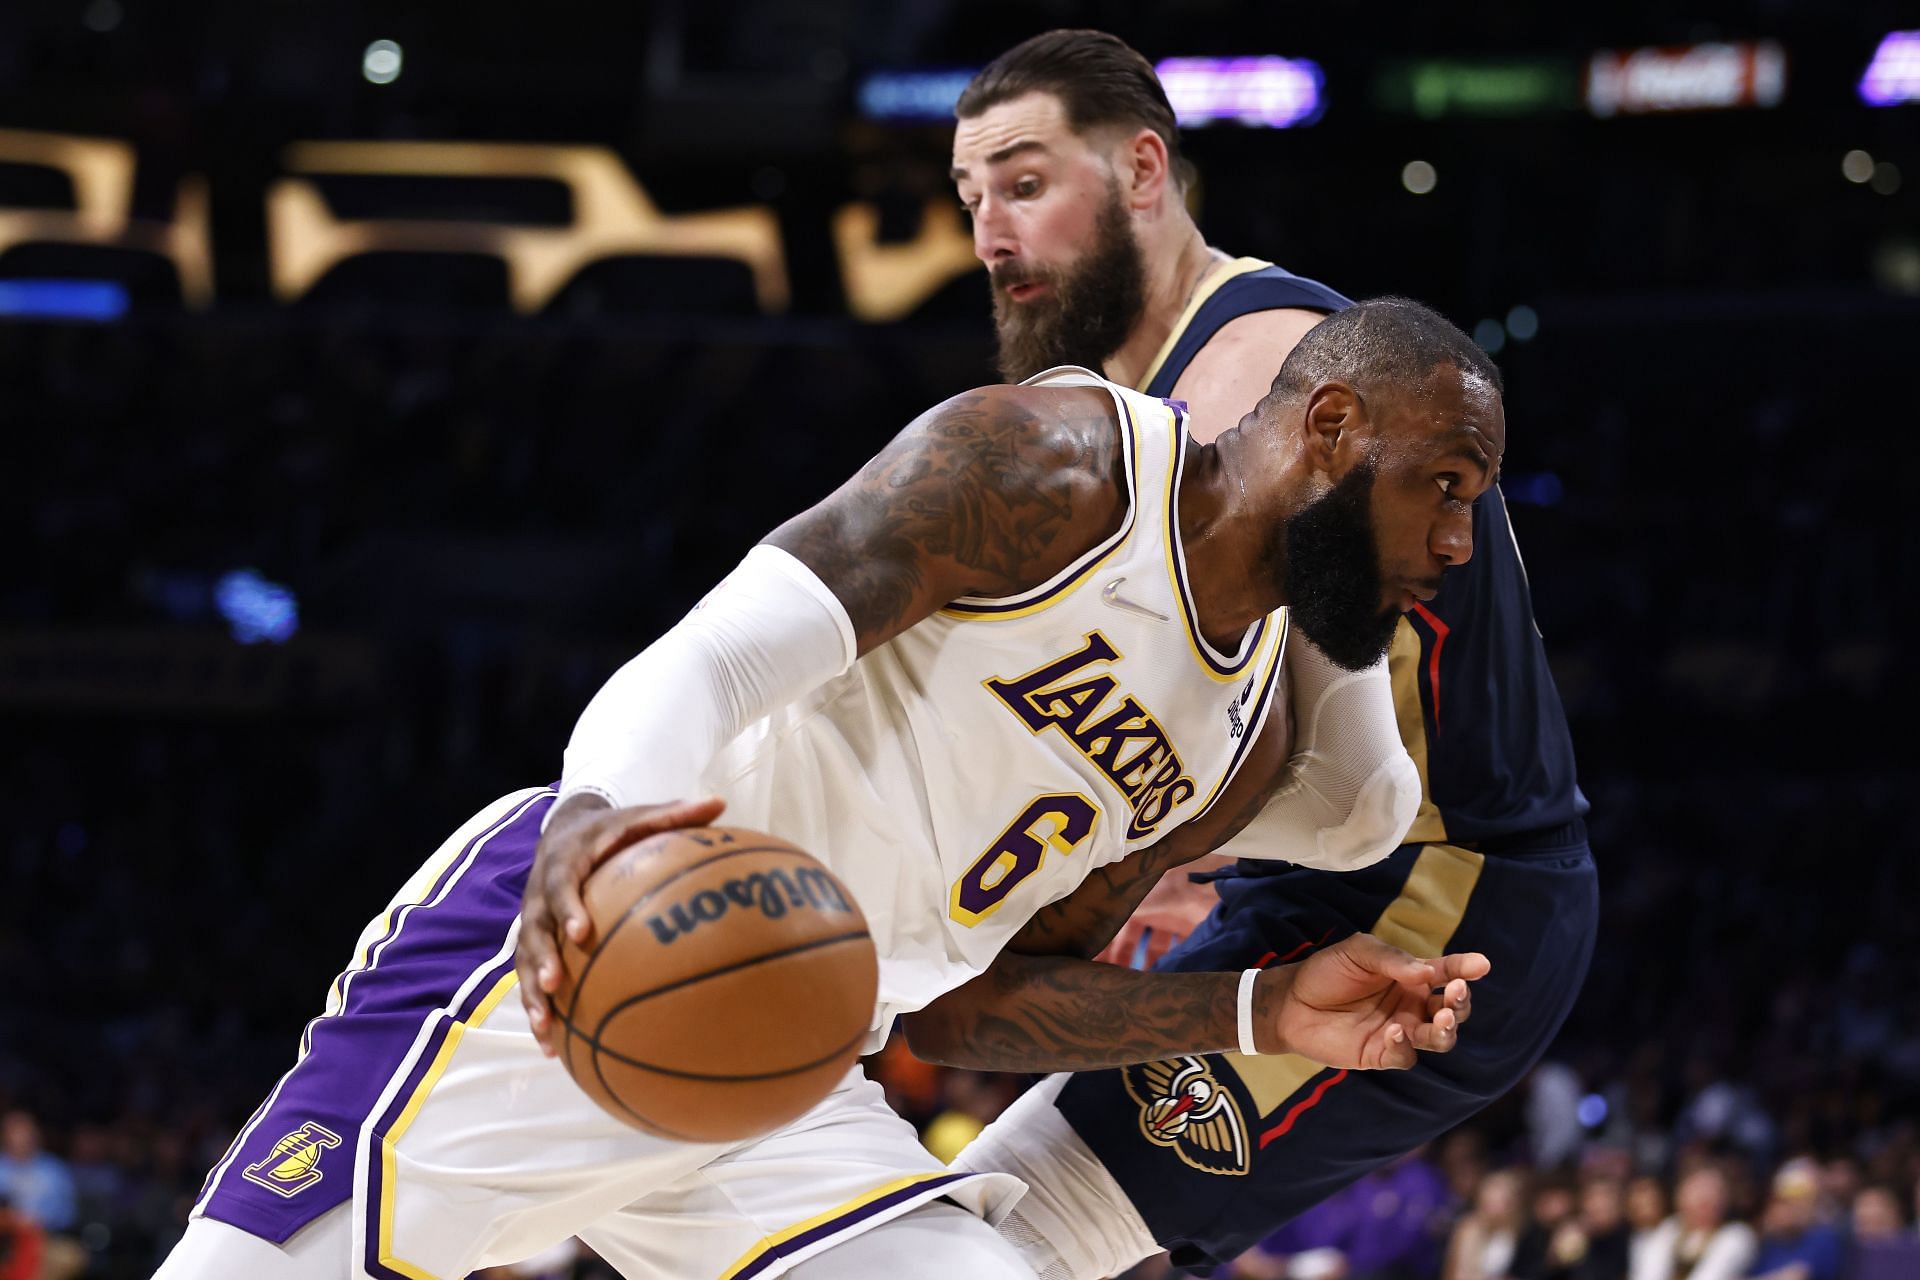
(1247,980)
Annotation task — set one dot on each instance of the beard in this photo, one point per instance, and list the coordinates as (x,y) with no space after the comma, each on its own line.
(1092,307)
(1332,564)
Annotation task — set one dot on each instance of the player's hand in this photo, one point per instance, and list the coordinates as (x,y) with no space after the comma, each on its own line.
(1172,909)
(1365,1004)
(582,835)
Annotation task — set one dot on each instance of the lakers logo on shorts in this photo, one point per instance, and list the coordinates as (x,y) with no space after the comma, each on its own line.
(1183,1107)
(294,1163)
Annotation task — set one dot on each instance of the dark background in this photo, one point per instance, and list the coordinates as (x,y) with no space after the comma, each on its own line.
(482,513)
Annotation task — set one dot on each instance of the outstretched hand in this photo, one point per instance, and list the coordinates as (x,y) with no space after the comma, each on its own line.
(1363,1003)
(581,836)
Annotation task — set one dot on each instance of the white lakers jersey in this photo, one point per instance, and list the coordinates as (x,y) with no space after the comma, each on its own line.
(979,765)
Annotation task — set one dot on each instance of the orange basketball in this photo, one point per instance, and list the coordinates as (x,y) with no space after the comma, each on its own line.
(727,987)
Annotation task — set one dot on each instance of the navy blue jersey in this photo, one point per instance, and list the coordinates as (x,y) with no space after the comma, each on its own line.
(1478,709)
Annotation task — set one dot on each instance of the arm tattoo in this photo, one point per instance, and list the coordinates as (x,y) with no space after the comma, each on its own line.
(1085,921)
(980,496)
(1052,1013)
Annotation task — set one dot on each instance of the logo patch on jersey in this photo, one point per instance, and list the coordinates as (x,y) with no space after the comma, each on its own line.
(1119,737)
(294,1163)
(1184,1108)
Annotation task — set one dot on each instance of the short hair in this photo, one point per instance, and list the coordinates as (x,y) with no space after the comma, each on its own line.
(1380,342)
(1099,78)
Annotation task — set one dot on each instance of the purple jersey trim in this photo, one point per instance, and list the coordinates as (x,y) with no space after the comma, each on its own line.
(433,953)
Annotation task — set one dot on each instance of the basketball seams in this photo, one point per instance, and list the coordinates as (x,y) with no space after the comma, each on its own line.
(600,1050)
(811,944)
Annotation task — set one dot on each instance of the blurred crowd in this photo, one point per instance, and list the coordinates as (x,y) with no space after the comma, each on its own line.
(481,520)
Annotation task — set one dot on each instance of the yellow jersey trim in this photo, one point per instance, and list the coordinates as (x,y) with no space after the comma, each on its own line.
(388,1182)
(819,1220)
(1403,669)
(1271,672)
(979,609)
(1208,287)
(1221,669)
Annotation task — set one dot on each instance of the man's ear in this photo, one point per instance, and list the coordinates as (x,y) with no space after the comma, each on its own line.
(1335,421)
(1144,169)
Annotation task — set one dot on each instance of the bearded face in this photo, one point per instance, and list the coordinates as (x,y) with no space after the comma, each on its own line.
(1085,308)
(1333,575)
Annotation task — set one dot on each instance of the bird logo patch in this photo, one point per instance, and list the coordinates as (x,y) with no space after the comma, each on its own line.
(294,1163)
(1183,1107)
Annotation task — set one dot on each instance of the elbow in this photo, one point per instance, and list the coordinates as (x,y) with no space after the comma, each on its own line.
(1378,822)
(932,1036)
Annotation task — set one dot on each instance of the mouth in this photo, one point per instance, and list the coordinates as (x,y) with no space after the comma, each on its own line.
(1024,292)
(1419,593)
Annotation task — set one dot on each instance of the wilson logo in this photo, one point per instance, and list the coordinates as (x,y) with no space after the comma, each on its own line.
(772,893)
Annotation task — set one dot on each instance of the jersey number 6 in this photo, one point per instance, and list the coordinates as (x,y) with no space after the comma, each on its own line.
(1063,820)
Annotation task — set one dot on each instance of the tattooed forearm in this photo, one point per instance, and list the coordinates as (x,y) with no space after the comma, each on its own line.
(988,494)
(1052,1013)
(1085,921)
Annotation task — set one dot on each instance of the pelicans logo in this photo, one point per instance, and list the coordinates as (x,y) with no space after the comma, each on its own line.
(294,1163)
(1182,1106)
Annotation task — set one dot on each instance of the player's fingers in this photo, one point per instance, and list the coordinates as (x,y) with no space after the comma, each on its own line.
(1396,1049)
(1470,965)
(1437,1034)
(630,826)
(1459,998)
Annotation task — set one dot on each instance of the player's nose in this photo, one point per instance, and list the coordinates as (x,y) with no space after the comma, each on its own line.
(1452,542)
(993,237)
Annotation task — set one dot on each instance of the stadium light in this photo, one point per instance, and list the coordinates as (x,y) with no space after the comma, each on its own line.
(1266,93)
(1893,76)
(381,63)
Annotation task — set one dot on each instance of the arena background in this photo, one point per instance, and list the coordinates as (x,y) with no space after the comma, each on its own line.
(336,479)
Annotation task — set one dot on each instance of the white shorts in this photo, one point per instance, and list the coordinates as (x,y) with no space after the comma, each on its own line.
(422,1097)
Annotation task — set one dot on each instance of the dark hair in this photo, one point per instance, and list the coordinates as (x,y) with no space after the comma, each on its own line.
(1099,78)
(1378,342)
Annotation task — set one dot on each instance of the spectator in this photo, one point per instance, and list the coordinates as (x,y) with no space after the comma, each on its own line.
(1486,1239)
(1646,1210)
(21,1244)
(36,1182)
(1553,1208)
(1795,1245)
(1876,1214)
(1381,1228)
(1698,1242)
(1592,1245)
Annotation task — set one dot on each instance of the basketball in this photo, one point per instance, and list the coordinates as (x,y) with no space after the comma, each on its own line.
(726,988)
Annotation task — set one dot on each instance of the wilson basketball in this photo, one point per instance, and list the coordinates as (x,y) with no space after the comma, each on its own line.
(727,987)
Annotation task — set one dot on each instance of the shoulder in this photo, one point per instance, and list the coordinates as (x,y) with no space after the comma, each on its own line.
(1022,442)
(1227,376)
(1276,329)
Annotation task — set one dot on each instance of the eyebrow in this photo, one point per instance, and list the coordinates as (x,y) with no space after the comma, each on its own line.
(1005,153)
(1466,444)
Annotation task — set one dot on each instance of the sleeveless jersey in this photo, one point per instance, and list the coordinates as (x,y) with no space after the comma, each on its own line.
(1477,705)
(979,765)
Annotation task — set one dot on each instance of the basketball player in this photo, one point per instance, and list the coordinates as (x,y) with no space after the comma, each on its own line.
(1067,156)
(1038,634)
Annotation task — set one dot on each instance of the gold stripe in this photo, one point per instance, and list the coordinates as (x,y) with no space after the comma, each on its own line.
(1078,580)
(428,877)
(1421,920)
(400,1127)
(860,1201)
(1279,651)
(1208,287)
(1181,599)
(1403,669)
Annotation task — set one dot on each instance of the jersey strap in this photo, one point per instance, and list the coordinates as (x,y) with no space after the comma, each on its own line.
(1239,288)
